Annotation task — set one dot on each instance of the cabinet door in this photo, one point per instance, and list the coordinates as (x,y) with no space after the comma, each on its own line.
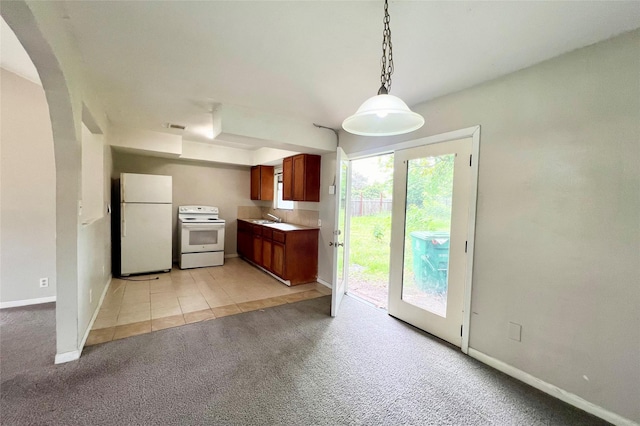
(255,183)
(277,261)
(266,253)
(257,249)
(287,178)
(240,248)
(262,183)
(312,178)
(266,183)
(245,243)
(298,177)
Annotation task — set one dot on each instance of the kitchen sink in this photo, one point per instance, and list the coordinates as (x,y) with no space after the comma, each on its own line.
(262,221)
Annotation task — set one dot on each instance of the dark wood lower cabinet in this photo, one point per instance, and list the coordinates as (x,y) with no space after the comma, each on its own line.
(245,240)
(277,261)
(266,253)
(257,249)
(291,255)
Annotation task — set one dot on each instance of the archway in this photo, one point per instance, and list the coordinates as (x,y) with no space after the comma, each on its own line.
(65,109)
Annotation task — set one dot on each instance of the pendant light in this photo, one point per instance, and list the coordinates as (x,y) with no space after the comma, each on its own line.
(384,114)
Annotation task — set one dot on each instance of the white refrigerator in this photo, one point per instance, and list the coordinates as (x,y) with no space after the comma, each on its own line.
(145,223)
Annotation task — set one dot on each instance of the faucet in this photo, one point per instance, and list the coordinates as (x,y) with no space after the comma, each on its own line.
(276,218)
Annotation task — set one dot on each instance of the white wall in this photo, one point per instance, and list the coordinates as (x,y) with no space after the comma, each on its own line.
(94,269)
(27,192)
(558,222)
(68,96)
(94,237)
(92,178)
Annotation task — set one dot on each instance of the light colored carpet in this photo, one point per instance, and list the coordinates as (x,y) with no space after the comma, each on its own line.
(287,365)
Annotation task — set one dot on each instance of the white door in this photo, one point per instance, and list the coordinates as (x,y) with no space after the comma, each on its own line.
(340,241)
(139,188)
(429,261)
(145,238)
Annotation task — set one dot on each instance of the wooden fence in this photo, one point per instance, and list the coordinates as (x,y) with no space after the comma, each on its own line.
(364,207)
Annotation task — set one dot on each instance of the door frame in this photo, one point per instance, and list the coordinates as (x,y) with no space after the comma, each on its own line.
(335,298)
(469,132)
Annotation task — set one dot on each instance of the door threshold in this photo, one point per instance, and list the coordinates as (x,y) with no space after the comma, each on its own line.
(365,301)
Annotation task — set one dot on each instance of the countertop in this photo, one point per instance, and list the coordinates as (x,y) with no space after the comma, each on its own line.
(281,226)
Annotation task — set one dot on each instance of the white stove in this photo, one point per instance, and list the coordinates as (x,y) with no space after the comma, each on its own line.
(201,237)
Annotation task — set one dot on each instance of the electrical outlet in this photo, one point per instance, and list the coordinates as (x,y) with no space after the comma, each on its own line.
(44,282)
(90,295)
(319,223)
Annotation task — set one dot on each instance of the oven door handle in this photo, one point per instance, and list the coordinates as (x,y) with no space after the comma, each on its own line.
(202,228)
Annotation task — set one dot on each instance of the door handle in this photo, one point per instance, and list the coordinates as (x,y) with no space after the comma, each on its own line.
(331,244)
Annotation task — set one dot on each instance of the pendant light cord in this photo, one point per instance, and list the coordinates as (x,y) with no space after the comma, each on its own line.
(387,54)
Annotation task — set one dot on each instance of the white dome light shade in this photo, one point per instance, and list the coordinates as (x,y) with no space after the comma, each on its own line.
(383,115)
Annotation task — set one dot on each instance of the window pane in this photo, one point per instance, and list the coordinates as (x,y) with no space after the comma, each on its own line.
(427,231)
(280,203)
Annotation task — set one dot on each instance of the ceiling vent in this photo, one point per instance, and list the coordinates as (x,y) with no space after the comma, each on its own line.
(174,126)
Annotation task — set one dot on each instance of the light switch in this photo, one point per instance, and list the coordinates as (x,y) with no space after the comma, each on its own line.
(515,331)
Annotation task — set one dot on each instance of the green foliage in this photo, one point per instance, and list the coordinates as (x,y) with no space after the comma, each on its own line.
(369,245)
(373,191)
(420,219)
(429,195)
(378,232)
(429,180)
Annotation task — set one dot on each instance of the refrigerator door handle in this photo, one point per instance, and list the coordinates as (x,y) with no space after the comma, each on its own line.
(124,221)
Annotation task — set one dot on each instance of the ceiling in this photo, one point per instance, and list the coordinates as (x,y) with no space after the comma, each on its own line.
(13,57)
(155,62)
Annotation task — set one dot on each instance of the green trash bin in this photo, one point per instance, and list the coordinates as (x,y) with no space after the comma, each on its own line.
(430,260)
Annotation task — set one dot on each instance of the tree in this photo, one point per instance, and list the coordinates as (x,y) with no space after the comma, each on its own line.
(429,192)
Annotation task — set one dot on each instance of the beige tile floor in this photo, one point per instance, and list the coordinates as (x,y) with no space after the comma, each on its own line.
(186,296)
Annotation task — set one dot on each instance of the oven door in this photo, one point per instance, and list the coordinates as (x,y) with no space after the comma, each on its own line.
(201,237)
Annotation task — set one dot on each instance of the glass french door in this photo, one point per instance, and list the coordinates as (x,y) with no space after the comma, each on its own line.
(340,241)
(429,237)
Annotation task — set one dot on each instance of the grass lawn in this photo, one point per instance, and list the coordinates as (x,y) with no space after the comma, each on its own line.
(369,246)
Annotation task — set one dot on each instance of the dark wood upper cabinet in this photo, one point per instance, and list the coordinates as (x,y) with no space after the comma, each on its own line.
(262,183)
(301,178)
(287,178)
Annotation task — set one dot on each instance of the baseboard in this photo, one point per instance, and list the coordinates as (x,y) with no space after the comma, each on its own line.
(552,390)
(67,357)
(324,283)
(95,315)
(27,302)
(228,256)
